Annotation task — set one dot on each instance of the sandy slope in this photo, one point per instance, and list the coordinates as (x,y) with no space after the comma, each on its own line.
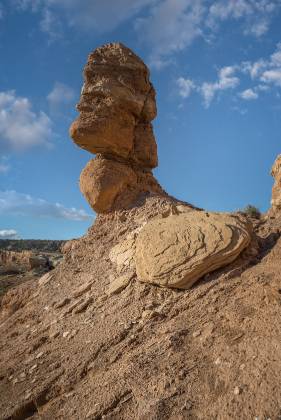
(69,351)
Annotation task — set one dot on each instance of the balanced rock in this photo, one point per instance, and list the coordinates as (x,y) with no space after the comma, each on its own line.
(276,190)
(116,108)
(180,249)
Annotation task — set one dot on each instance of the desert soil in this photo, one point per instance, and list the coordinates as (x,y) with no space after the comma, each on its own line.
(70,351)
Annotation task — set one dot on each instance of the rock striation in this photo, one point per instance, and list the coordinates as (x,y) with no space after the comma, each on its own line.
(116,108)
(276,190)
(180,249)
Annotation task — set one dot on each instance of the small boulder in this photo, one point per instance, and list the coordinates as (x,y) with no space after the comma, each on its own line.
(178,250)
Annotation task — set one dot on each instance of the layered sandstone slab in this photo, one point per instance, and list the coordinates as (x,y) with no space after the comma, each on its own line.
(116,107)
(180,249)
(276,190)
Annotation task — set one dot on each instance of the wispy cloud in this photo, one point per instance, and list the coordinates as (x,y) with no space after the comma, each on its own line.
(4,168)
(165,26)
(8,234)
(20,127)
(19,204)
(60,96)
(4,165)
(51,25)
(86,15)
(226,80)
(265,70)
(181,21)
(185,87)
(255,15)
(249,95)
(264,74)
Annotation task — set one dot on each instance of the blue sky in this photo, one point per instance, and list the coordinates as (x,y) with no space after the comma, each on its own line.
(216,67)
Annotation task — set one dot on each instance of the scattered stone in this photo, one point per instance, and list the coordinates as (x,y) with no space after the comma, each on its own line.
(33,368)
(237,390)
(65,334)
(39,355)
(83,289)
(196,334)
(62,303)
(84,305)
(117,285)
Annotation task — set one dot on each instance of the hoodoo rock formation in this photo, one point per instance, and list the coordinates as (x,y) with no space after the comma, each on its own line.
(96,338)
(116,108)
(276,190)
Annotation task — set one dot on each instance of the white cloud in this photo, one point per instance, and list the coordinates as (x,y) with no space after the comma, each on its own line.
(86,15)
(51,25)
(185,86)
(258,28)
(272,76)
(165,26)
(249,94)
(60,96)
(170,26)
(14,203)
(226,80)
(256,14)
(224,9)
(268,70)
(254,69)
(20,127)
(8,234)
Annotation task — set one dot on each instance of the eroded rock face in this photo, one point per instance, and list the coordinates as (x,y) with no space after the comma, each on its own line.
(116,108)
(180,249)
(276,190)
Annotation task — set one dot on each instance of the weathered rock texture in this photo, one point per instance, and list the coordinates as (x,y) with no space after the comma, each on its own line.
(180,249)
(116,108)
(276,190)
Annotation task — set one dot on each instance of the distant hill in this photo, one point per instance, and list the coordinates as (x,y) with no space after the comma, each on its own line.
(31,245)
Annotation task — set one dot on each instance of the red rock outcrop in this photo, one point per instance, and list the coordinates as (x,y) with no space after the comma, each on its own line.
(116,108)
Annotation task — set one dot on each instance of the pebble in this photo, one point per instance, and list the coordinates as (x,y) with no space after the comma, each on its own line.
(39,355)
(83,305)
(32,368)
(65,334)
(196,333)
(80,291)
(27,396)
(217,361)
(62,303)
(237,390)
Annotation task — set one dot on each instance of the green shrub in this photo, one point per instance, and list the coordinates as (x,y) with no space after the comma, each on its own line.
(252,211)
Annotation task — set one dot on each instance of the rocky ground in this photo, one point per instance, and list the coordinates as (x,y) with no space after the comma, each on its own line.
(77,346)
